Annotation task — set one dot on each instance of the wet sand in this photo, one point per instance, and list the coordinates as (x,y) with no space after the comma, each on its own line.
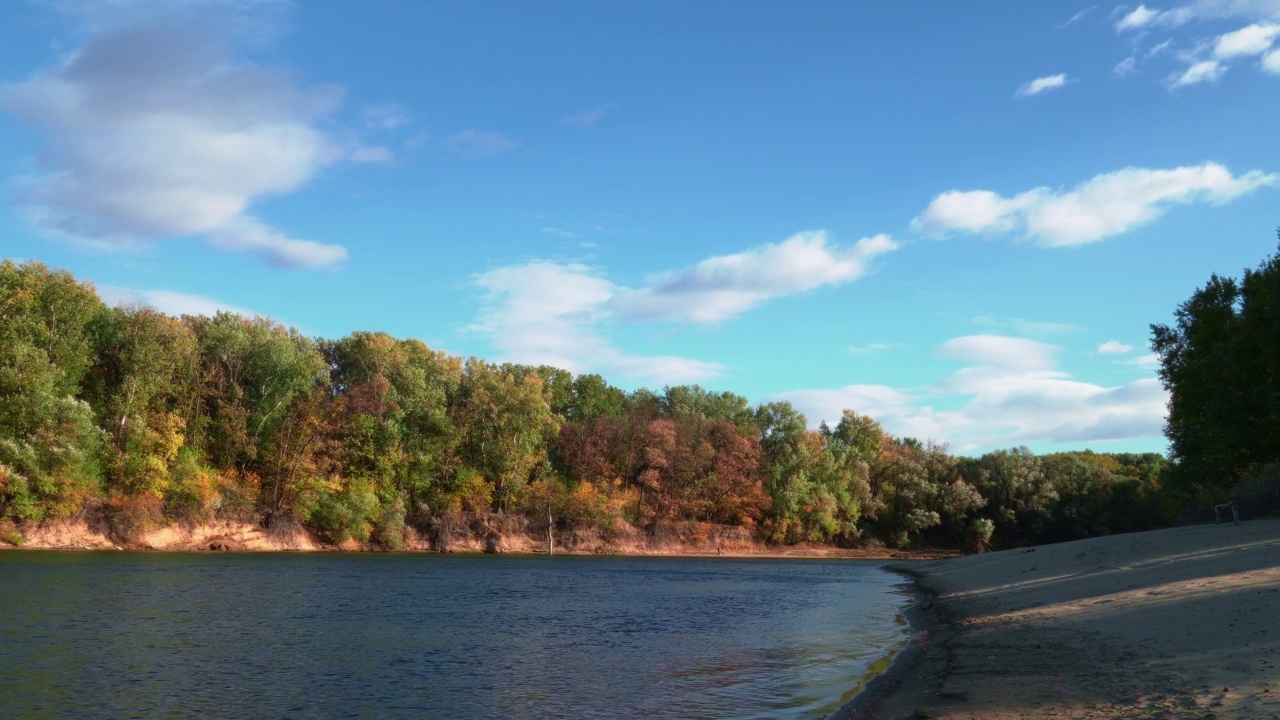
(1177,623)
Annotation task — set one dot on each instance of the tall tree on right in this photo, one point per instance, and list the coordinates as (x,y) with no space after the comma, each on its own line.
(1220,361)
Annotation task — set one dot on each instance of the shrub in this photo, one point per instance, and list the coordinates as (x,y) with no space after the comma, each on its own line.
(11,535)
(344,511)
(389,526)
(191,495)
(128,517)
(16,499)
(1258,493)
(473,493)
(978,536)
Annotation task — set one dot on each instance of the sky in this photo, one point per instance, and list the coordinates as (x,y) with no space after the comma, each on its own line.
(960,219)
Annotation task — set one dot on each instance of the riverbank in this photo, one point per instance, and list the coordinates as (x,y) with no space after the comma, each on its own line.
(1176,623)
(674,540)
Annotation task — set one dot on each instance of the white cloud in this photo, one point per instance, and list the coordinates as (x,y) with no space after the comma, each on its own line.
(156,130)
(557,313)
(168,301)
(1271,62)
(247,234)
(1104,206)
(1010,392)
(1208,62)
(1250,40)
(720,287)
(1043,84)
(479,143)
(1143,17)
(1207,59)
(1203,71)
(1125,67)
(543,312)
(999,351)
(1114,347)
(1145,361)
(1140,17)
(588,118)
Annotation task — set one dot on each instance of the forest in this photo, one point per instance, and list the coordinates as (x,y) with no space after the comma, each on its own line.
(140,419)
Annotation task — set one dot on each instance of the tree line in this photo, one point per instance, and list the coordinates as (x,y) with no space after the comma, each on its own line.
(146,419)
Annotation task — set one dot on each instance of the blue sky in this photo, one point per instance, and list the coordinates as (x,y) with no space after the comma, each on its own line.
(957,218)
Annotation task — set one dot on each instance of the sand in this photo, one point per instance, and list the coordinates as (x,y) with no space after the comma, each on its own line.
(222,535)
(1177,623)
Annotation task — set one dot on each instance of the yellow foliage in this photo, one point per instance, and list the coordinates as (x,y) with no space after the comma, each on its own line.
(474,493)
(452,505)
(164,436)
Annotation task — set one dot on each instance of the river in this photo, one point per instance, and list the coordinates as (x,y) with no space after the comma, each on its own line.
(157,635)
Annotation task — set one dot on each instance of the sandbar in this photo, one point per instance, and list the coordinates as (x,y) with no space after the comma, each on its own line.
(1175,623)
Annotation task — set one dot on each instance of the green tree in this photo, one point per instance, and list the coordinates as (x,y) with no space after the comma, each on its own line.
(50,311)
(505,425)
(1019,497)
(1220,362)
(50,445)
(143,385)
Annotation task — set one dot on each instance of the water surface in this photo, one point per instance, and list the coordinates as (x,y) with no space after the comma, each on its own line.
(119,635)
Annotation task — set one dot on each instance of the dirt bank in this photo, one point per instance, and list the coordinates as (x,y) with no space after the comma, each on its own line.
(1178,623)
(676,539)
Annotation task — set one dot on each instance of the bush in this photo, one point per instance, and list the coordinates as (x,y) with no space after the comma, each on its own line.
(127,517)
(344,511)
(192,494)
(389,526)
(17,502)
(11,535)
(1259,492)
(236,497)
(978,536)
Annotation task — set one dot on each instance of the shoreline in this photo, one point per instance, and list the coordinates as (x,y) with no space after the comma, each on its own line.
(874,689)
(229,536)
(1173,623)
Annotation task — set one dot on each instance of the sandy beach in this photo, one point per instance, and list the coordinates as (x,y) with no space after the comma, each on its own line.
(1176,623)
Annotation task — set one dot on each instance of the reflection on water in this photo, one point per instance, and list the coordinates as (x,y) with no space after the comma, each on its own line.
(91,635)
